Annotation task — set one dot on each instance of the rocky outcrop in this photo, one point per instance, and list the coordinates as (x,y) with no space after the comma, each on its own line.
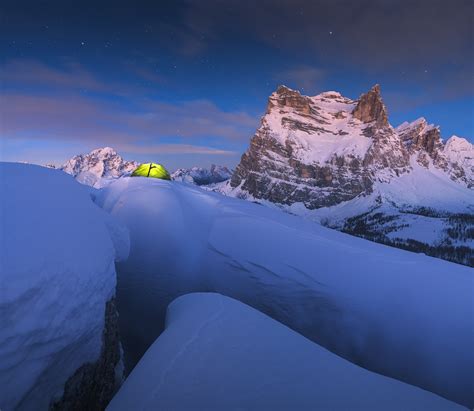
(93,385)
(420,135)
(286,97)
(370,108)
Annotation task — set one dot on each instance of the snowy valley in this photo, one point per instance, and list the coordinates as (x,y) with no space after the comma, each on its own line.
(384,328)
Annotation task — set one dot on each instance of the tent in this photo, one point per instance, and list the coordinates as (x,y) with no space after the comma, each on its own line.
(151,170)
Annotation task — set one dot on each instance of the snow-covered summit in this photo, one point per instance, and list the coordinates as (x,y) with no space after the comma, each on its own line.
(102,163)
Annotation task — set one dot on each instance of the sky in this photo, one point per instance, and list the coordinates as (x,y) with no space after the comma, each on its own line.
(185,83)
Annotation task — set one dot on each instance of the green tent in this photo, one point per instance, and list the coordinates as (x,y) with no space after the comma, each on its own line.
(151,170)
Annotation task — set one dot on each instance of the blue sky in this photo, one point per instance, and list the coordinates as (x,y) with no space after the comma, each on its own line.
(185,83)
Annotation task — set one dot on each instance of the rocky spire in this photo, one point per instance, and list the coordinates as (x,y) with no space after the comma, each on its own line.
(370,108)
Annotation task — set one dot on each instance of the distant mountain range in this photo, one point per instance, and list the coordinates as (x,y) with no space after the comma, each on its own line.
(339,162)
(103,165)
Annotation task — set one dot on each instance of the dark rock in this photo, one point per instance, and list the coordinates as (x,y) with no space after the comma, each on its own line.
(93,385)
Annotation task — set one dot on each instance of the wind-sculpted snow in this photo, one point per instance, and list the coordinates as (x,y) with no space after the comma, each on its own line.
(57,252)
(401,314)
(217,353)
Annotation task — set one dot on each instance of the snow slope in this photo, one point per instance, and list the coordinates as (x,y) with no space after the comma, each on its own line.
(57,253)
(217,353)
(401,314)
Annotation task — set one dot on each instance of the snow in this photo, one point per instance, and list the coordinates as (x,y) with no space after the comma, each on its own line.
(397,313)
(57,252)
(428,187)
(217,353)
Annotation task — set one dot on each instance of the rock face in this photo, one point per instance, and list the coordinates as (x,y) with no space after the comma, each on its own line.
(370,108)
(202,176)
(93,385)
(327,149)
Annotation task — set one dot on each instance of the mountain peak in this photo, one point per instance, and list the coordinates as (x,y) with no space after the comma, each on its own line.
(106,151)
(370,108)
(99,163)
(456,143)
(282,89)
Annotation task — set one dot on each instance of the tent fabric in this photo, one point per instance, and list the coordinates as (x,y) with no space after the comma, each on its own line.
(153,170)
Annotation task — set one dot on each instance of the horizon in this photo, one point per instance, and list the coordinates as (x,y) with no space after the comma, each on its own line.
(186,84)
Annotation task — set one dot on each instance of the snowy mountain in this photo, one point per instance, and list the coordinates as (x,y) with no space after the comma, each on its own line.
(99,167)
(202,176)
(340,162)
(103,165)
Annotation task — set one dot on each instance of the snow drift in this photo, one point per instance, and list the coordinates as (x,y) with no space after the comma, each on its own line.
(217,353)
(401,314)
(57,252)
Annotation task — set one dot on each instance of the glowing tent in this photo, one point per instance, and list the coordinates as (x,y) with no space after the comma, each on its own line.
(153,170)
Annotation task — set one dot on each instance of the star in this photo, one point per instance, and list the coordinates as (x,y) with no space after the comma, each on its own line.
(330,32)
(82,43)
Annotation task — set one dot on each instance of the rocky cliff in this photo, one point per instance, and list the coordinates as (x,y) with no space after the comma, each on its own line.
(327,149)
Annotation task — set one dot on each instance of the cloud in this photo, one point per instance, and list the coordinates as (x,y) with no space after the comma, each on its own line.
(59,111)
(173,149)
(75,117)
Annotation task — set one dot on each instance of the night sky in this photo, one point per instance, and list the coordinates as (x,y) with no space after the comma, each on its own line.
(185,82)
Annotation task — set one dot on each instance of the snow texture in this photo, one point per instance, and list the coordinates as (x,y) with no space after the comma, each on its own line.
(217,353)
(57,252)
(397,313)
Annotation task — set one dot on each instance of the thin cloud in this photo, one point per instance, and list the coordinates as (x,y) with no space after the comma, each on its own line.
(72,118)
(173,149)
